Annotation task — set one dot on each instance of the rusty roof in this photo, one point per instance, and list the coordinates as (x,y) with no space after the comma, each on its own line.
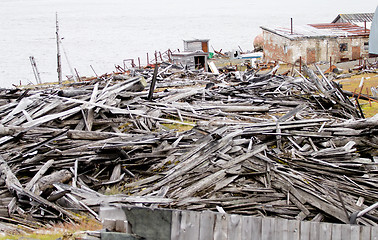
(350,28)
(354,17)
(326,30)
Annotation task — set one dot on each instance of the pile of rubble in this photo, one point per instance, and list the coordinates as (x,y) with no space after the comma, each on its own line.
(238,142)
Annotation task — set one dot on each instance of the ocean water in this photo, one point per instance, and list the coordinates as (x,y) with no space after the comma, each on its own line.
(103,33)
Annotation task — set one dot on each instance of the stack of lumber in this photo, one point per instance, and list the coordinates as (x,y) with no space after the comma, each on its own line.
(255,144)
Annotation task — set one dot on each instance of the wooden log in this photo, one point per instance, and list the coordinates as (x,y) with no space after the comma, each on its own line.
(56,177)
(39,174)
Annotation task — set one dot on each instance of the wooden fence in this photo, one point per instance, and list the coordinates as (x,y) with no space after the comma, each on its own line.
(190,225)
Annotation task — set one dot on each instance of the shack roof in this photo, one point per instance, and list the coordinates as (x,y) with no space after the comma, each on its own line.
(354,17)
(197,40)
(326,30)
(190,54)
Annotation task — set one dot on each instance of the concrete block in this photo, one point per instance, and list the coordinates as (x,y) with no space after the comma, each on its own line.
(109,224)
(122,226)
(118,236)
(151,224)
(112,212)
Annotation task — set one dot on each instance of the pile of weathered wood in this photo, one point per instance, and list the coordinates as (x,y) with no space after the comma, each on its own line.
(256,144)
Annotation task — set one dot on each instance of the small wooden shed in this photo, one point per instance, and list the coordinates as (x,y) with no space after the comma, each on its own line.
(191,60)
(196,45)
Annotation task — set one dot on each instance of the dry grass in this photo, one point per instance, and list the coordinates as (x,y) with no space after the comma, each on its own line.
(353,85)
(63,231)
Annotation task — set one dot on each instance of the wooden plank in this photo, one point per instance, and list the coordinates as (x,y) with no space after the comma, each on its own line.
(234,227)
(374,233)
(324,206)
(268,229)
(207,223)
(176,223)
(305,230)
(246,230)
(325,231)
(293,229)
(220,228)
(256,228)
(314,231)
(202,184)
(50,117)
(365,232)
(346,232)
(355,232)
(39,174)
(192,229)
(282,229)
(336,232)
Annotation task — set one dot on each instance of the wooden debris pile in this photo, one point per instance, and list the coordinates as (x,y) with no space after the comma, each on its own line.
(257,144)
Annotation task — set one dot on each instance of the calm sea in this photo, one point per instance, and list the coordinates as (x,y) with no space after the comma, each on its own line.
(102,34)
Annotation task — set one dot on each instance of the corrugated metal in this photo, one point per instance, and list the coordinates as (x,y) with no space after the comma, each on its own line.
(373,39)
(320,30)
(341,28)
(354,17)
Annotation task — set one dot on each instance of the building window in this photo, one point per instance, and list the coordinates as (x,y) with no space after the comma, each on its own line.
(285,48)
(366,46)
(343,47)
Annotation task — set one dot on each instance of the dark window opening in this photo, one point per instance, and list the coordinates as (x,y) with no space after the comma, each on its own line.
(366,46)
(200,62)
(343,47)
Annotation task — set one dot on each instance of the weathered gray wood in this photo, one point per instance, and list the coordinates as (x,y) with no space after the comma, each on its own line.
(202,184)
(180,96)
(234,227)
(282,229)
(314,231)
(11,181)
(336,232)
(125,199)
(268,228)
(293,229)
(374,233)
(326,207)
(50,117)
(192,228)
(256,228)
(220,228)
(365,232)
(305,230)
(47,181)
(176,223)
(325,231)
(246,230)
(207,224)
(39,174)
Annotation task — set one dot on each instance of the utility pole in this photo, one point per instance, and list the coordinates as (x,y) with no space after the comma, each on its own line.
(59,66)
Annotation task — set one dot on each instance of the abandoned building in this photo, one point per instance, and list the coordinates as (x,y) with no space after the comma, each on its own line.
(316,42)
(360,19)
(194,56)
(373,39)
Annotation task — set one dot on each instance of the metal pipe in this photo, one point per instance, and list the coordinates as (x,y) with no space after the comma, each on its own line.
(366,210)
(291,25)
